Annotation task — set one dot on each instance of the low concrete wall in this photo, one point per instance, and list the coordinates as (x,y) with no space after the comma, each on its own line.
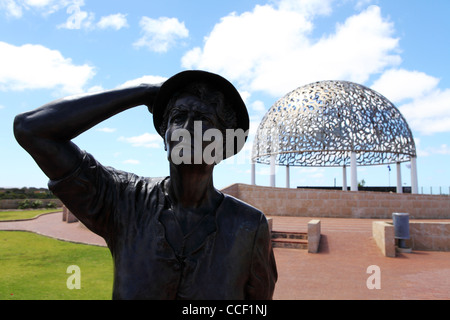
(383,234)
(341,204)
(7,204)
(424,236)
(432,236)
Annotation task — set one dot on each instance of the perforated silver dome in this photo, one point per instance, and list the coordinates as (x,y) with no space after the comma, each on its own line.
(320,124)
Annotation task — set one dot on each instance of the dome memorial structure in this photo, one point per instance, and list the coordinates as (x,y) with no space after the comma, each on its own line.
(334,124)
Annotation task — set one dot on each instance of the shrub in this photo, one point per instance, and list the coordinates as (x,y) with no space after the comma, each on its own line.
(36,204)
(51,205)
(25,204)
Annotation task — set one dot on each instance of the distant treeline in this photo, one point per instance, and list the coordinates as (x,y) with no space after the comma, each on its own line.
(26,193)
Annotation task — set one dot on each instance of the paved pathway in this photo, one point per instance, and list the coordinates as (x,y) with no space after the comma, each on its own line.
(338,271)
(51,225)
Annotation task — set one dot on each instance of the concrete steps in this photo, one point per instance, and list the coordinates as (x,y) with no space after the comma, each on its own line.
(293,240)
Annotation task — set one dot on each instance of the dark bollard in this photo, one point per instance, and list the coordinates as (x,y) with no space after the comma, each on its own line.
(401,228)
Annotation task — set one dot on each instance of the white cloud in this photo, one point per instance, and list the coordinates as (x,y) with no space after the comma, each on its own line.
(444,149)
(399,84)
(280,56)
(259,107)
(360,4)
(146,140)
(16,8)
(430,113)
(47,7)
(114,21)
(307,7)
(37,67)
(131,161)
(96,88)
(161,34)
(38,3)
(78,18)
(425,106)
(145,79)
(11,8)
(107,130)
(239,47)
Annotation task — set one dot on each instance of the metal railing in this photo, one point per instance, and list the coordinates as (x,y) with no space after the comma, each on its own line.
(434,190)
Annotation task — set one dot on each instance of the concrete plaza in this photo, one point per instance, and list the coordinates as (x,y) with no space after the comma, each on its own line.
(338,271)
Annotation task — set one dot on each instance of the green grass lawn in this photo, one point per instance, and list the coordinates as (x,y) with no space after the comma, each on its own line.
(24,214)
(34,267)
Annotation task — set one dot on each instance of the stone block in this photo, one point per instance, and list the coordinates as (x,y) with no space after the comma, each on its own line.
(64,213)
(270,223)
(383,234)
(71,217)
(68,216)
(313,236)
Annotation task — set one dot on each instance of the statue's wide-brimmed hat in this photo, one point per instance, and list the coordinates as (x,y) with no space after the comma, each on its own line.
(177,82)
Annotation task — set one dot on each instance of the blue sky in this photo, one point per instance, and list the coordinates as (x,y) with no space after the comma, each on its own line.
(54,48)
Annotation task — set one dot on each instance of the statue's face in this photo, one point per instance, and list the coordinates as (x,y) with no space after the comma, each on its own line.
(188,121)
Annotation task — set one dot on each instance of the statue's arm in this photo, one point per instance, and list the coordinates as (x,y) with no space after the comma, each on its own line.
(46,132)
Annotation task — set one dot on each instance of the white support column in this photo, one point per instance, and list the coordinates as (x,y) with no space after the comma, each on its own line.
(399,178)
(287,177)
(414,182)
(272,170)
(253,165)
(354,175)
(344,178)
